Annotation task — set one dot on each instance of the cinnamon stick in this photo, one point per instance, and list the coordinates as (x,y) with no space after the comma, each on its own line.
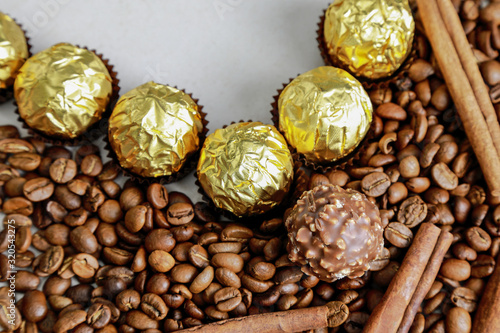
(443,244)
(332,314)
(457,34)
(487,319)
(388,314)
(461,91)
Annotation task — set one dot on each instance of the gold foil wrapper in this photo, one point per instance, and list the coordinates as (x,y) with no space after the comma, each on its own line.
(369,38)
(62,91)
(246,168)
(154,129)
(13,50)
(325,114)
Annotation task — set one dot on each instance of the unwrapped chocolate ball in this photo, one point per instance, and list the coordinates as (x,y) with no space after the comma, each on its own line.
(246,168)
(154,129)
(324,114)
(369,38)
(62,91)
(13,50)
(334,233)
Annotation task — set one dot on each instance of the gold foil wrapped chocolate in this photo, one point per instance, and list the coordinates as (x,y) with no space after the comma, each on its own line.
(246,168)
(325,114)
(154,129)
(13,50)
(369,38)
(62,91)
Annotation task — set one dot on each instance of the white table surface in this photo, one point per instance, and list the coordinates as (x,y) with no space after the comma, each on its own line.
(231,54)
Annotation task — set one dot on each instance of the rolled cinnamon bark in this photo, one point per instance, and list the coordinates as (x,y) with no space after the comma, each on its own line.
(426,281)
(332,314)
(388,314)
(457,34)
(462,93)
(487,319)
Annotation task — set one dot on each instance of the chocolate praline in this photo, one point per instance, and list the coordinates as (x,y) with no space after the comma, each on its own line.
(334,233)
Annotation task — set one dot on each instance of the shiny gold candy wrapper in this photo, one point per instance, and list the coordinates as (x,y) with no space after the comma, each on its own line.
(63,90)
(324,114)
(369,38)
(154,129)
(246,168)
(13,50)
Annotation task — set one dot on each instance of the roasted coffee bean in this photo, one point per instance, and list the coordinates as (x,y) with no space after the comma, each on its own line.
(198,256)
(161,261)
(159,239)
(70,320)
(224,247)
(398,234)
(131,197)
(478,239)
(412,211)
(17,205)
(58,234)
(202,280)
(154,306)
(255,285)
(117,255)
(83,240)
(227,299)
(38,189)
(463,251)
(375,184)
(62,170)
(66,198)
(227,277)
(444,177)
(98,315)
(78,186)
(24,259)
(128,300)
(110,211)
(465,298)
(135,218)
(180,213)
(84,265)
(231,261)
(26,281)
(56,285)
(34,307)
(455,269)
(94,198)
(236,233)
(183,273)
(157,196)
(23,239)
(91,165)
(483,266)
(14,187)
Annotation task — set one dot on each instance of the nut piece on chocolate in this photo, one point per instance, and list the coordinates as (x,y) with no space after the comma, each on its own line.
(334,233)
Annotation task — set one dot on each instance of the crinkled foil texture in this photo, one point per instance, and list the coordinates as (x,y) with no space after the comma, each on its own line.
(62,91)
(369,38)
(325,114)
(334,233)
(154,129)
(246,168)
(13,50)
